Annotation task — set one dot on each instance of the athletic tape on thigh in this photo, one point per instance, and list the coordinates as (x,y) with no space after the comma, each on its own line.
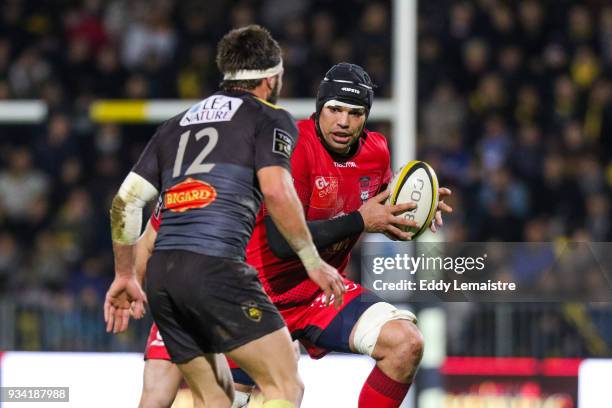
(241,399)
(278,404)
(371,322)
(256,400)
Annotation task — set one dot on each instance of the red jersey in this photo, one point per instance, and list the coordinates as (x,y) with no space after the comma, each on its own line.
(328,186)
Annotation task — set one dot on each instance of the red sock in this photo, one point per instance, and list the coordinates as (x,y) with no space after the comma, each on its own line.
(380,391)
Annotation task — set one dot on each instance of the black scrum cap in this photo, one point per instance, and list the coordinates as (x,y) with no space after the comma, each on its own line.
(347,83)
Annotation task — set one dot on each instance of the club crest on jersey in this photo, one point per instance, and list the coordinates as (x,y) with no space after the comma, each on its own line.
(283,143)
(216,108)
(364,188)
(252,311)
(188,195)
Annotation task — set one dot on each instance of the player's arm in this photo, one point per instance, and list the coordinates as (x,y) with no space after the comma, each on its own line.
(324,233)
(373,216)
(125,294)
(143,250)
(146,242)
(126,221)
(284,207)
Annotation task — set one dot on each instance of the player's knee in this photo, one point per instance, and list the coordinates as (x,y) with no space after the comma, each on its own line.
(300,388)
(293,387)
(155,396)
(401,342)
(291,382)
(161,381)
(152,398)
(289,387)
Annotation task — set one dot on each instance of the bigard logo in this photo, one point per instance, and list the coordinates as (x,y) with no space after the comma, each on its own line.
(188,195)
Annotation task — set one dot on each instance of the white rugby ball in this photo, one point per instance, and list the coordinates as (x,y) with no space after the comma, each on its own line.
(416,182)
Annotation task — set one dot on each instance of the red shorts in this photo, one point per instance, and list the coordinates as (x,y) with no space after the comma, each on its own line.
(305,322)
(156,349)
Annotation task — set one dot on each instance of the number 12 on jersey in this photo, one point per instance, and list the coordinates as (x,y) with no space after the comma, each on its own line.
(198,165)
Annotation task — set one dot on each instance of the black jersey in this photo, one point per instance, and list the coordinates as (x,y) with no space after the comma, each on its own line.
(204,163)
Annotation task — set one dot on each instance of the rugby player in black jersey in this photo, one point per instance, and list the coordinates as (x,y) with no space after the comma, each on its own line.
(213,164)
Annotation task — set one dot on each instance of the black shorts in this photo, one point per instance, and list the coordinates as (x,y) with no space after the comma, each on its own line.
(206,304)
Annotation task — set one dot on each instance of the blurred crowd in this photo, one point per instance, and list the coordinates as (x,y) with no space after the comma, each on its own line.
(515,114)
(89,49)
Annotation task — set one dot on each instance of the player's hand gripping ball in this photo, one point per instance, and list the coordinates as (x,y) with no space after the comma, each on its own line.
(416,182)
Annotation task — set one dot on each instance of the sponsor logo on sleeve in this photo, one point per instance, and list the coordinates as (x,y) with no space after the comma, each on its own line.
(283,143)
(188,195)
(216,108)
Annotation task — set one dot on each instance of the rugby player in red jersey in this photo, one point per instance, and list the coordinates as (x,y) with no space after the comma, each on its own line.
(340,170)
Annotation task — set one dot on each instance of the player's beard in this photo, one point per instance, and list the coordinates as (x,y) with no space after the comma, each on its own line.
(350,149)
(273,98)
